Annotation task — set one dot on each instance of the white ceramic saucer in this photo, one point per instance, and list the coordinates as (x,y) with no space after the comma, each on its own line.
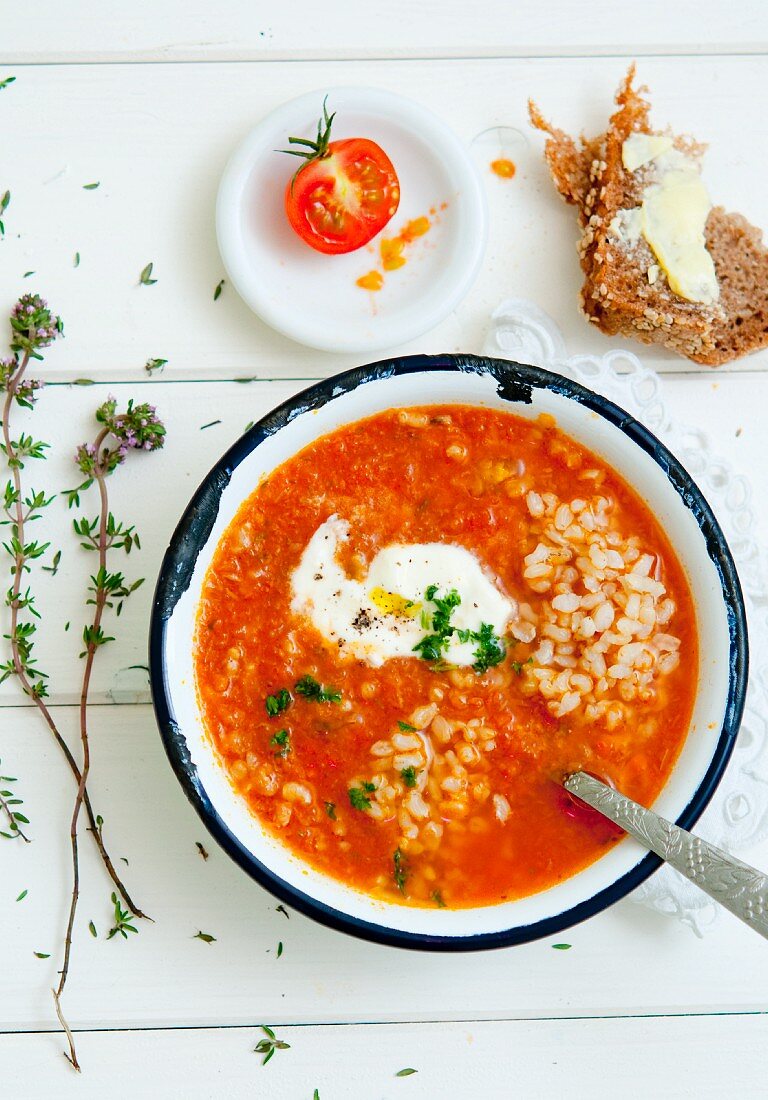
(313,298)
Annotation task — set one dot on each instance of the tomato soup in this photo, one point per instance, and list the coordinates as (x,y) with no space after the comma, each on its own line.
(416,627)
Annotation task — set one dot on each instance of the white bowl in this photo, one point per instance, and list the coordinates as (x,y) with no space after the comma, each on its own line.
(611,433)
(313,298)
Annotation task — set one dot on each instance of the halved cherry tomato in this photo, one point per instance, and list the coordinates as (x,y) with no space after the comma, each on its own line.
(344,194)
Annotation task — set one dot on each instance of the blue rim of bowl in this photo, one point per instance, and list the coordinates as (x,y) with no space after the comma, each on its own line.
(515,383)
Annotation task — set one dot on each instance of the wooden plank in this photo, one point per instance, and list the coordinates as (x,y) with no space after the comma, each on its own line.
(233,31)
(625,961)
(692,1056)
(152,490)
(157,138)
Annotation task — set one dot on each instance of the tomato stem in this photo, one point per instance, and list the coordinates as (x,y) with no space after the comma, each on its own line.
(315,150)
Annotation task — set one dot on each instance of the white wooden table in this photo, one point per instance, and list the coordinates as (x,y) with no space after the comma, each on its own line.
(149,99)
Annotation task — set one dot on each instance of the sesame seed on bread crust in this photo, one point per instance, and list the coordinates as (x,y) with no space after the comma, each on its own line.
(625,292)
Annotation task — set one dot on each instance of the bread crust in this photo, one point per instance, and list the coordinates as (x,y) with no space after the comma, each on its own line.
(625,293)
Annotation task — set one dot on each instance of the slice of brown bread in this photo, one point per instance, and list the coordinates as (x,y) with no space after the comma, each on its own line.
(625,291)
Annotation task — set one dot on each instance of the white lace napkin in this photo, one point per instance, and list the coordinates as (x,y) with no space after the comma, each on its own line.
(737,817)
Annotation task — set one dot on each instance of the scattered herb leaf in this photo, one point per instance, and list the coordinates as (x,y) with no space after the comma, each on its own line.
(437,898)
(518,666)
(92,929)
(284,911)
(408,776)
(53,568)
(358,798)
(561,946)
(153,365)
(210,424)
(280,741)
(22,895)
(406,728)
(406,1072)
(490,651)
(400,874)
(92,187)
(40,955)
(8,80)
(217,291)
(268,1046)
(83,382)
(330,809)
(279,949)
(28,273)
(77,259)
(311,689)
(206,937)
(145,279)
(4,201)
(278,702)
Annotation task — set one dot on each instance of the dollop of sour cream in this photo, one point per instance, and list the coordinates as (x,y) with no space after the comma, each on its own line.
(380,617)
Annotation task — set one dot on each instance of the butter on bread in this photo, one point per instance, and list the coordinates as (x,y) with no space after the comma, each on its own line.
(626,288)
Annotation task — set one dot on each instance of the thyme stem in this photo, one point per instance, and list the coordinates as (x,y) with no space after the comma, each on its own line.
(100,601)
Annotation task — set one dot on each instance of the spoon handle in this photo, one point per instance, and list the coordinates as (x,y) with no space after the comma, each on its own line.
(740,888)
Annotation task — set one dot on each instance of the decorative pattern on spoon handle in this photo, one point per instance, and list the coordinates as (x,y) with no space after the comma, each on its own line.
(740,888)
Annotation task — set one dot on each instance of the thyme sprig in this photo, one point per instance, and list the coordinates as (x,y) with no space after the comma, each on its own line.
(122,918)
(138,428)
(33,328)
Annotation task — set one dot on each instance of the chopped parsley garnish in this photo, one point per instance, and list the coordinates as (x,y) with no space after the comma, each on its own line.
(400,872)
(330,809)
(311,689)
(437,898)
(359,798)
(408,776)
(278,702)
(432,646)
(280,741)
(490,651)
(444,606)
(406,728)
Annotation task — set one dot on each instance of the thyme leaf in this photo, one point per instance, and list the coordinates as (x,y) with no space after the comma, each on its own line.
(145,279)
(206,937)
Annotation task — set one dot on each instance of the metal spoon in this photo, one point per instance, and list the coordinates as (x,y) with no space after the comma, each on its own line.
(740,888)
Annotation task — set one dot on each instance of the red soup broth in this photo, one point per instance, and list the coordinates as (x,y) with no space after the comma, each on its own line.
(417,781)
